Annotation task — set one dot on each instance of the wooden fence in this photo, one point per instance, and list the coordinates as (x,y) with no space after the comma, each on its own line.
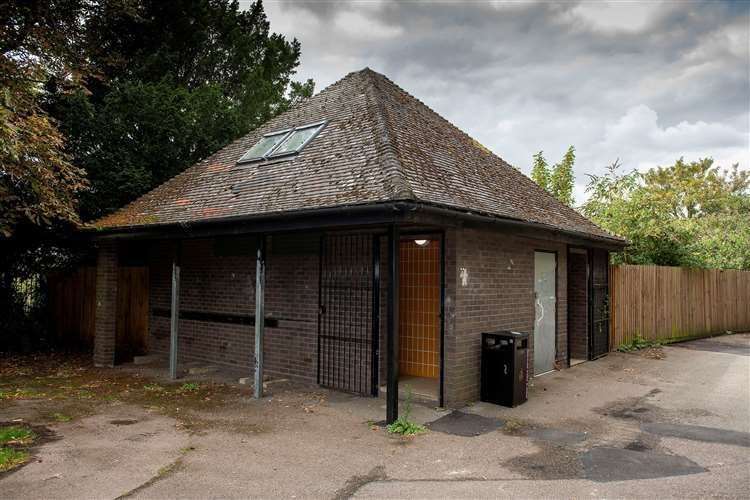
(132,313)
(72,309)
(662,303)
(72,306)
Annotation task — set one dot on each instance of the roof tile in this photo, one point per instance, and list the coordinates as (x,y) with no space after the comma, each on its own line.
(379,144)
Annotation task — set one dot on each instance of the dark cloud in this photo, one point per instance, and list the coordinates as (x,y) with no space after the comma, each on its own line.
(643,82)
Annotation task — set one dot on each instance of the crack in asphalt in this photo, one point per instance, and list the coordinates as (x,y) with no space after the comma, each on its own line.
(163,473)
(354,483)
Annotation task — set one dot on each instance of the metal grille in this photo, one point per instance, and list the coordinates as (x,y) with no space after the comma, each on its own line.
(347,348)
(600,304)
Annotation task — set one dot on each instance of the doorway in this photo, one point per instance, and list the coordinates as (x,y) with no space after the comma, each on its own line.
(420,316)
(545,307)
(578,305)
(131,323)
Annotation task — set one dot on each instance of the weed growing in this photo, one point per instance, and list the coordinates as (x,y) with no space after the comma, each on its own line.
(638,343)
(403,425)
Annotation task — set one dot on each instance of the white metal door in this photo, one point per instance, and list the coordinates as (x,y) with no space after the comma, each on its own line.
(545,305)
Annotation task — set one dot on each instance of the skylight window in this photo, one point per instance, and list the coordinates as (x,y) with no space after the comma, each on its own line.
(297,139)
(282,143)
(264,146)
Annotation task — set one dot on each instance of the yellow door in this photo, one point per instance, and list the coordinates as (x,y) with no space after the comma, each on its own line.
(419,308)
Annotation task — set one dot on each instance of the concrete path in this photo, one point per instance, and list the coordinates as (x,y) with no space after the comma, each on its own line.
(623,426)
(103,456)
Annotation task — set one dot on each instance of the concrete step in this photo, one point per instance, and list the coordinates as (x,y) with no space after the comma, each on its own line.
(202,369)
(147,359)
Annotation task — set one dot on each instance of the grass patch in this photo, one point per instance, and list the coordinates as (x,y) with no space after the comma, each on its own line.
(61,417)
(19,393)
(11,458)
(13,441)
(638,343)
(403,424)
(69,386)
(16,434)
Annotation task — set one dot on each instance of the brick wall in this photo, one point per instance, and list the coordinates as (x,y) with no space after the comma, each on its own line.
(494,290)
(489,286)
(213,282)
(578,305)
(106,304)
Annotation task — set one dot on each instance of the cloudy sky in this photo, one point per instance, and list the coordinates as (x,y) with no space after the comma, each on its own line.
(642,82)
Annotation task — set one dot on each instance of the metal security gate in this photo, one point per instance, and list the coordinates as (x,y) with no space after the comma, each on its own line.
(599,304)
(347,327)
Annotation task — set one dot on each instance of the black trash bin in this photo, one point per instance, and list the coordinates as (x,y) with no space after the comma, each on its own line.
(505,367)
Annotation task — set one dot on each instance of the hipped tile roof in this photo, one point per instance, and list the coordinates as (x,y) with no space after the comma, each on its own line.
(380,144)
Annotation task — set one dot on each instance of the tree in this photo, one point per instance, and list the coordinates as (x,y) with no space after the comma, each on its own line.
(561,181)
(540,171)
(38,184)
(177,81)
(558,181)
(687,214)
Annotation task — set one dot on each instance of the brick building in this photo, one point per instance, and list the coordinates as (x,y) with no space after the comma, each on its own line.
(375,239)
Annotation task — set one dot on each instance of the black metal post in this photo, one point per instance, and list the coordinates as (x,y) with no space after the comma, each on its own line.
(393,333)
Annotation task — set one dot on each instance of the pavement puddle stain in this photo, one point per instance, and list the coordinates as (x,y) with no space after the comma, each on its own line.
(698,433)
(605,464)
(458,423)
(556,436)
(123,421)
(550,462)
(635,408)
